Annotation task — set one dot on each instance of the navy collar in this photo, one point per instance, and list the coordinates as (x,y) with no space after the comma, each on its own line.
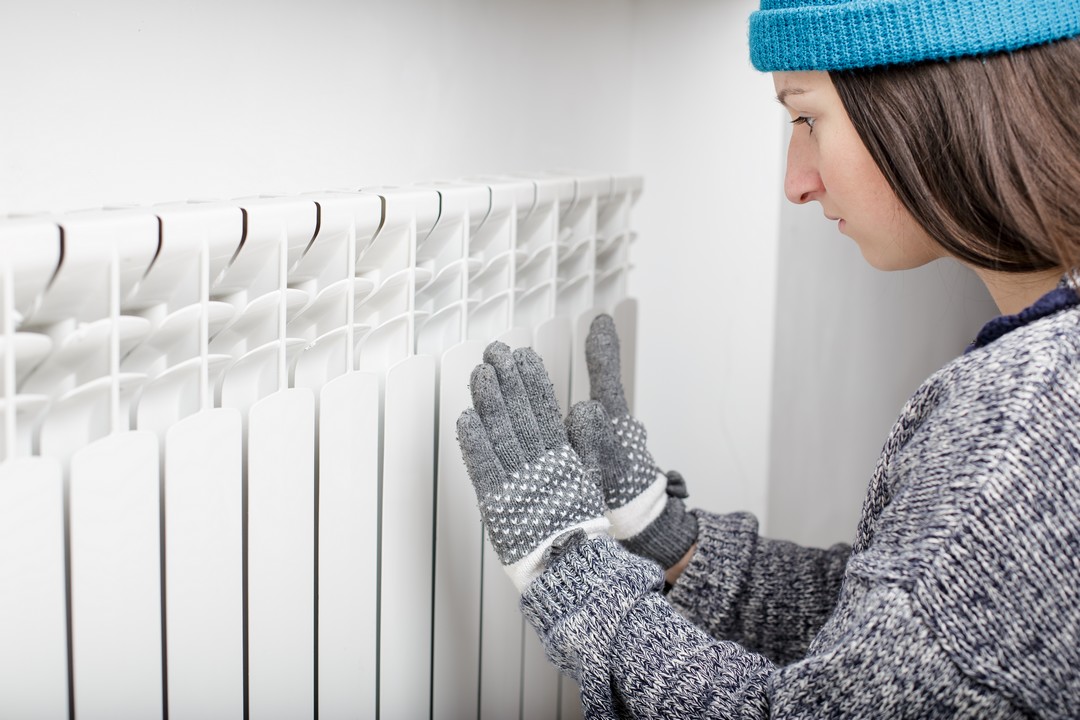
(1060,298)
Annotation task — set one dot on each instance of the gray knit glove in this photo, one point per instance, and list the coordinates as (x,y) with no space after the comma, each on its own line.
(645,506)
(533,489)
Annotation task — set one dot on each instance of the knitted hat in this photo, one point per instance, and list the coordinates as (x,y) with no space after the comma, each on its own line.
(842,34)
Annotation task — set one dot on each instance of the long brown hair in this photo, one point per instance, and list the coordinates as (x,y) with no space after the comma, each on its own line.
(984,152)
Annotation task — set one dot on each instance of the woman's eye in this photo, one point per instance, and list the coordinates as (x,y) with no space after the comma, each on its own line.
(804,120)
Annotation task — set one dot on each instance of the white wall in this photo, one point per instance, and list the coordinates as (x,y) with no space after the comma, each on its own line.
(706,131)
(140,102)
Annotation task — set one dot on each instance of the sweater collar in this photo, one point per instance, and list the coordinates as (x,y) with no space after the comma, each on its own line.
(1060,298)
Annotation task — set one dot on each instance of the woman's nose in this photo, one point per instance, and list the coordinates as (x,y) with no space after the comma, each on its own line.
(802,183)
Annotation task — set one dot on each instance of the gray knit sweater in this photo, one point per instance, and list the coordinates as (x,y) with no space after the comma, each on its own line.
(960,596)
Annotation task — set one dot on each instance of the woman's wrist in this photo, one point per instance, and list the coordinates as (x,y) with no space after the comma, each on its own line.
(672,574)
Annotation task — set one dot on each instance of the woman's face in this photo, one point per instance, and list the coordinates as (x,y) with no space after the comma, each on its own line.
(828,162)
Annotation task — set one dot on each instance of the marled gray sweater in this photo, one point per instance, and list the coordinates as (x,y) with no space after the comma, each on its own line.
(960,596)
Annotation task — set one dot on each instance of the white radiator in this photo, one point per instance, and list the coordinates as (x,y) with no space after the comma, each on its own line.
(230,483)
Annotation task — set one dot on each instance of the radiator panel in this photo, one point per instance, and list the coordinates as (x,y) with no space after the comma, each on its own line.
(204,552)
(230,483)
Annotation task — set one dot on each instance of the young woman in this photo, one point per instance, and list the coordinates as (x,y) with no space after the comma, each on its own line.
(926,129)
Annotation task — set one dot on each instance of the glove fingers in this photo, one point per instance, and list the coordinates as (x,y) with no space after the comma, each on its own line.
(586,426)
(498,355)
(592,438)
(488,400)
(605,372)
(480,460)
(541,394)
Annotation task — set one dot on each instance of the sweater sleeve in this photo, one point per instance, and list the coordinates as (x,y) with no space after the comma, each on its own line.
(599,615)
(771,596)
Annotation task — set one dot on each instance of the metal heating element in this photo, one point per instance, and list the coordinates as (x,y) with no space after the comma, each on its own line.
(230,483)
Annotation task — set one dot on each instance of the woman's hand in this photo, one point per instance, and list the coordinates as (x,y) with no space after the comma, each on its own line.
(533,486)
(644,505)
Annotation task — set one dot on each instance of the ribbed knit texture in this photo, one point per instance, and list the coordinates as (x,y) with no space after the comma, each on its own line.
(844,34)
(668,537)
(749,581)
(959,597)
(598,574)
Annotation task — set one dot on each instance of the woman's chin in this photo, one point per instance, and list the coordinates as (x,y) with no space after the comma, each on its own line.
(892,257)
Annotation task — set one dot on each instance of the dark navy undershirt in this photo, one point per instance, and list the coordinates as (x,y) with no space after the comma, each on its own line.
(1058,299)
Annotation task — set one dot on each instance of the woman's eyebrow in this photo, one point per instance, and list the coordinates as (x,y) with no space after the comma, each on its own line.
(782,96)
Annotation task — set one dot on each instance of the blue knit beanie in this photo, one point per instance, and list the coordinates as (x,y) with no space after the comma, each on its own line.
(843,34)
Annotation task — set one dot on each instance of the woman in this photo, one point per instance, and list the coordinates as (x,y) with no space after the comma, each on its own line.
(927,129)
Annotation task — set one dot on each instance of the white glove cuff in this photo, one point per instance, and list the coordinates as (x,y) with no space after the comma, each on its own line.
(636,515)
(528,568)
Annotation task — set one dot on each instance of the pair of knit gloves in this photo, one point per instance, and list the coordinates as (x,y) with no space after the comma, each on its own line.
(543,484)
